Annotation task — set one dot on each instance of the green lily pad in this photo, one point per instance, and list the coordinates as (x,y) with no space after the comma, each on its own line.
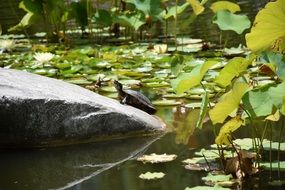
(63,65)
(154,175)
(274,165)
(108,89)
(79,81)
(166,103)
(217,178)
(217,187)
(156,84)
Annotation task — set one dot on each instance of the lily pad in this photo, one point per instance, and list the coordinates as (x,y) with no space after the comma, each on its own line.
(217,187)
(157,158)
(166,103)
(154,175)
(79,81)
(274,165)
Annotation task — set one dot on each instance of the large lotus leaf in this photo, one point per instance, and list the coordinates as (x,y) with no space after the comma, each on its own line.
(268,28)
(185,81)
(233,69)
(27,20)
(148,7)
(229,103)
(103,17)
(260,102)
(196,6)
(277,59)
(225,5)
(229,21)
(227,129)
(132,20)
(172,11)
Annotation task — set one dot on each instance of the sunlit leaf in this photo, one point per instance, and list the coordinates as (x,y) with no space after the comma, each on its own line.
(154,175)
(274,117)
(260,102)
(185,81)
(234,68)
(229,21)
(226,130)
(228,103)
(225,5)
(197,7)
(79,81)
(197,160)
(217,178)
(203,110)
(269,25)
(172,11)
(157,158)
(166,103)
(176,64)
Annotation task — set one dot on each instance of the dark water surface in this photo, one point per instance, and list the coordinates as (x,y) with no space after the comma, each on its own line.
(113,165)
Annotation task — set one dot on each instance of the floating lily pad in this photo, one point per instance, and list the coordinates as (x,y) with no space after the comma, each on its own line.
(156,84)
(217,178)
(78,81)
(274,165)
(196,105)
(157,158)
(166,103)
(154,175)
(108,89)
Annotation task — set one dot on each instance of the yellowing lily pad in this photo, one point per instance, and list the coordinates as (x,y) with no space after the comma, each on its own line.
(154,175)
(157,158)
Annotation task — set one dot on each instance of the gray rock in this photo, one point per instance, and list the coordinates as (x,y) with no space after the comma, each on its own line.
(41,111)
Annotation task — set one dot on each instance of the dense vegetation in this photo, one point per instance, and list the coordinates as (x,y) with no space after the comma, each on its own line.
(233,86)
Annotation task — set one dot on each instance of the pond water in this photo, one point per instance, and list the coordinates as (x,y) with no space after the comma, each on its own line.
(113,164)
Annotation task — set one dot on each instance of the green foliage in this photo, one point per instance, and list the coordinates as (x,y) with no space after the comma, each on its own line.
(227,129)
(269,25)
(263,101)
(79,12)
(203,110)
(148,7)
(197,6)
(186,81)
(234,68)
(229,21)
(171,12)
(228,103)
(225,5)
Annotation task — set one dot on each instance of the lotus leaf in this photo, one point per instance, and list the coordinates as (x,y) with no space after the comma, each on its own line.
(260,102)
(197,6)
(229,102)
(229,21)
(227,129)
(268,28)
(225,5)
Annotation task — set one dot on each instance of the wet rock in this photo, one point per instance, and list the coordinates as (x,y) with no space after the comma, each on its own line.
(41,111)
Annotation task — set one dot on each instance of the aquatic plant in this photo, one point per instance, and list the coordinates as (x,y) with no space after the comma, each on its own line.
(44,57)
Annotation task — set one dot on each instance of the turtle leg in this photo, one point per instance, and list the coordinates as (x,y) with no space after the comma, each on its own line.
(124,100)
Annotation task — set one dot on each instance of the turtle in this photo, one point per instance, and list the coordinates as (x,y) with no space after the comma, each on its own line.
(134,98)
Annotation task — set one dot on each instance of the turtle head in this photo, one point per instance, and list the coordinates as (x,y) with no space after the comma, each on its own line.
(118,85)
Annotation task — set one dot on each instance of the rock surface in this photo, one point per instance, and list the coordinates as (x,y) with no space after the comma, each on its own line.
(41,111)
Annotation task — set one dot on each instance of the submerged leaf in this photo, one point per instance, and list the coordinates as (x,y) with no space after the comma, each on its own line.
(229,103)
(154,175)
(157,158)
(229,21)
(269,25)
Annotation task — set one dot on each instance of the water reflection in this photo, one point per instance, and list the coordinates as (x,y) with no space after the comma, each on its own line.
(60,168)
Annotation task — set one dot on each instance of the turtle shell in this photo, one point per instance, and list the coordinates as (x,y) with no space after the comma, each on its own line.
(138,100)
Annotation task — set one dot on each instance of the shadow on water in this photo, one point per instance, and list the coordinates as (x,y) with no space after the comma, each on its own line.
(60,168)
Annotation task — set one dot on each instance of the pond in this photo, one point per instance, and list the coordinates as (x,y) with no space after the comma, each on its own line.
(113,164)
